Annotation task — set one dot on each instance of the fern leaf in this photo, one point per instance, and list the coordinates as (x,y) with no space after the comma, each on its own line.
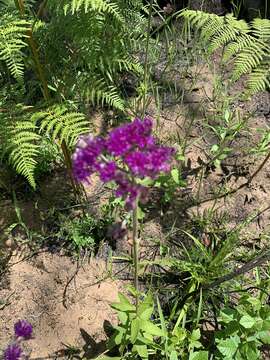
(62,124)
(21,145)
(100,94)
(99,6)
(247,44)
(12,43)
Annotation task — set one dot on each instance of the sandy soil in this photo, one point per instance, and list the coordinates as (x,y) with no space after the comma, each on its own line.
(63,308)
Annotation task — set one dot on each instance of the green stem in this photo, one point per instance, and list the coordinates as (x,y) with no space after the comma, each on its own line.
(136,252)
(145,73)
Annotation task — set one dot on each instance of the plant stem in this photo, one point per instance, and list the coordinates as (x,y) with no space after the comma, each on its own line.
(145,73)
(135,251)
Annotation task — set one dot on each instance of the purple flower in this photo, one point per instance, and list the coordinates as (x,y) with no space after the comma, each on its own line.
(13,352)
(23,329)
(125,137)
(129,152)
(107,171)
(85,158)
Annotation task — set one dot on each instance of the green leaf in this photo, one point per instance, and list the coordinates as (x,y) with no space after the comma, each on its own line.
(135,328)
(151,329)
(247,321)
(227,315)
(199,355)
(175,175)
(229,346)
(265,325)
(119,336)
(140,213)
(215,148)
(195,335)
(161,317)
(141,350)
(264,336)
(124,304)
(123,307)
(173,355)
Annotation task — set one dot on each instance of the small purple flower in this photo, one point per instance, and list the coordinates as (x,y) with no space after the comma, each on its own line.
(13,352)
(107,171)
(85,158)
(23,329)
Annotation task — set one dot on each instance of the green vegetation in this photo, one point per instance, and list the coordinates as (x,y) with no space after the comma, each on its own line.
(195,225)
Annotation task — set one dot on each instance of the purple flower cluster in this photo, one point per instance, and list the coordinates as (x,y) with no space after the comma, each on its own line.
(128,153)
(13,352)
(23,331)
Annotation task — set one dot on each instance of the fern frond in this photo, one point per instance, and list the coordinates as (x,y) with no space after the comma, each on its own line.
(259,79)
(99,6)
(261,29)
(62,124)
(247,44)
(99,93)
(12,42)
(21,146)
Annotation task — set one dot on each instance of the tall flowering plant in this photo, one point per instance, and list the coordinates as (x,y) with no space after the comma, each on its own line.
(129,154)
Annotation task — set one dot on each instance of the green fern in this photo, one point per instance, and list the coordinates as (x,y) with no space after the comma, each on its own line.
(61,124)
(20,143)
(100,6)
(12,42)
(248,45)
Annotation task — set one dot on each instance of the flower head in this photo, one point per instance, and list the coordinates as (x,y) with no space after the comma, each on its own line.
(23,329)
(129,152)
(85,158)
(13,352)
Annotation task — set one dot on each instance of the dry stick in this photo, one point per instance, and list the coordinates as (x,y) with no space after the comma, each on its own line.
(230,192)
(46,93)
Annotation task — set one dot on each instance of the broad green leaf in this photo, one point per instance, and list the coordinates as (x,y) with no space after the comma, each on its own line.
(151,328)
(266,325)
(256,303)
(227,315)
(123,299)
(123,307)
(118,337)
(173,355)
(135,328)
(199,355)
(195,335)
(180,334)
(146,308)
(122,316)
(264,336)
(141,350)
(229,346)
(247,321)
